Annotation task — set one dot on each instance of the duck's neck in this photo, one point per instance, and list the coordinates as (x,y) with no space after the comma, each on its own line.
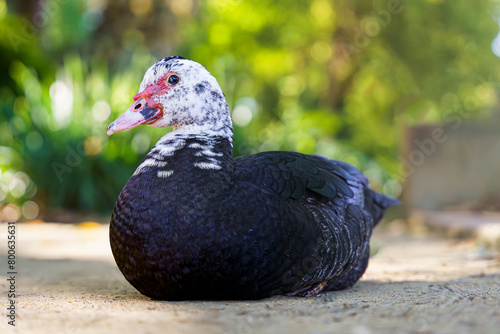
(180,152)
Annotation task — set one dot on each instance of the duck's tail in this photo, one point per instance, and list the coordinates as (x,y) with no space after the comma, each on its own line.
(376,204)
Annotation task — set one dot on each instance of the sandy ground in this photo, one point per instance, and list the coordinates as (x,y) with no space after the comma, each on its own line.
(68,283)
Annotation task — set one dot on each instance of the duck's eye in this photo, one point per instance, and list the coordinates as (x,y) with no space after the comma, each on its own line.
(173,79)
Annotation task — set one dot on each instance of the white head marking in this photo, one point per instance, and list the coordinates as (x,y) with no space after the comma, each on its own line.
(195,105)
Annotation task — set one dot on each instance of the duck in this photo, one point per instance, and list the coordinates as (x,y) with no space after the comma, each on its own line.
(194,223)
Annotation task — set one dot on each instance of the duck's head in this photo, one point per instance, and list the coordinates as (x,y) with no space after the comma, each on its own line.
(180,93)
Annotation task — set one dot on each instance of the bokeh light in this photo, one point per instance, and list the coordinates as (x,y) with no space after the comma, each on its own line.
(11,213)
(101,111)
(92,146)
(242,115)
(30,210)
(140,7)
(34,141)
(62,104)
(181,8)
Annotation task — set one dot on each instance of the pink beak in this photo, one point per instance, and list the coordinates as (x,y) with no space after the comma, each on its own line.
(138,113)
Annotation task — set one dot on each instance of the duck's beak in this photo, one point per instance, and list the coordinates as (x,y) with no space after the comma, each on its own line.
(138,113)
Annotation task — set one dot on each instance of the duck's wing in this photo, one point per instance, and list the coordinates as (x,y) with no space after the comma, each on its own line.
(296,176)
(309,178)
(340,204)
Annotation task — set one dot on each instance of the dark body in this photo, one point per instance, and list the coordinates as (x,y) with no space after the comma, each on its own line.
(266,224)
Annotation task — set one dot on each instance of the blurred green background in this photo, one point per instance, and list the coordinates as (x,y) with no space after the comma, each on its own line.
(337,78)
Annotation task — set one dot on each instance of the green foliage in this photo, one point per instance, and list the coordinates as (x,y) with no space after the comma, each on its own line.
(336,78)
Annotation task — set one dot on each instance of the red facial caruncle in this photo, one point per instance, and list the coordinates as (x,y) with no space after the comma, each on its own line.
(160,88)
(145,110)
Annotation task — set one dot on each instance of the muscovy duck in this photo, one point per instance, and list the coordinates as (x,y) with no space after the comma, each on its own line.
(194,223)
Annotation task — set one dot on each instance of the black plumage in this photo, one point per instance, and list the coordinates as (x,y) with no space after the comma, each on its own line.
(194,223)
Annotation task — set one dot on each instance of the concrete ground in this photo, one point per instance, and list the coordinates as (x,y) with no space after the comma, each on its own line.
(68,283)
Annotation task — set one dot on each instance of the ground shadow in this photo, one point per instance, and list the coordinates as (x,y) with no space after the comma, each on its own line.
(101,278)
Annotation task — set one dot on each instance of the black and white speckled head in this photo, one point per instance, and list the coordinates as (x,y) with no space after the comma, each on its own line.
(180,93)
